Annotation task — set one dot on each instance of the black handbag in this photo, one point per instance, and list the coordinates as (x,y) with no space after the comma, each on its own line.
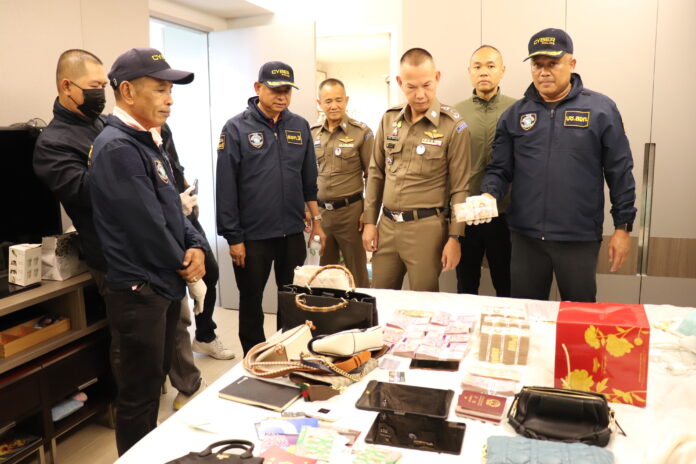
(210,455)
(562,415)
(330,310)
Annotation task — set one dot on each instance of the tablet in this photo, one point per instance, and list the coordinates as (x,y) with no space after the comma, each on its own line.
(405,399)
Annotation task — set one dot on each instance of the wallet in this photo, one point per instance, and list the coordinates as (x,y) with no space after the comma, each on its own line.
(521,450)
(405,399)
(417,432)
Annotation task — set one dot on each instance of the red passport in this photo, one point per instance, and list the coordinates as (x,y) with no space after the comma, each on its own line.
(481,405)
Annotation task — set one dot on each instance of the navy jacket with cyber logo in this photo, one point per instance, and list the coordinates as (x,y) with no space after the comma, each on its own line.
(137,212)
(265,174)
(557,161)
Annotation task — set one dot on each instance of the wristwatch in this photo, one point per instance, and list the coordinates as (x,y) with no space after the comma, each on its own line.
(456,237)
(626,227)
(316,218)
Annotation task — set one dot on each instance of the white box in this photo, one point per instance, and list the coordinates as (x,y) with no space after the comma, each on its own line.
(25,264)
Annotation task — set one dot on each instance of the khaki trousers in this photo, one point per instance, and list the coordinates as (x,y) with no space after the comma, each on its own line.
(343,237)
(413,248)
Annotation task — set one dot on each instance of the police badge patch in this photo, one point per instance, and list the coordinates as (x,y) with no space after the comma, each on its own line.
(528,120)
(161,172)
(256,139)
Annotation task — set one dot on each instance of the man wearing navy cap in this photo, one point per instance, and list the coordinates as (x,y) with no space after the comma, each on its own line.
(557,146)
(151,250)
(266,174)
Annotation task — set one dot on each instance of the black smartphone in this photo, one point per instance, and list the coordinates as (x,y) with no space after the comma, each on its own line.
(195,187)
(405,399)
(417,432)
(435,364)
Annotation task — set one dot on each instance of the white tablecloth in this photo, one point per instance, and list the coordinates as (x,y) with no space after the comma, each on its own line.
(671,396)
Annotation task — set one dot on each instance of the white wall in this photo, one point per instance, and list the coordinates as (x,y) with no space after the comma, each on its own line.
(185,16)
(365,86)
(34,33)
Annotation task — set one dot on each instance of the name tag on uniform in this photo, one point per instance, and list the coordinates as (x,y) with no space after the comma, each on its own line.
(436,143)
(393,137)
(294,137)
(573,118)
(346,145)
(317,144)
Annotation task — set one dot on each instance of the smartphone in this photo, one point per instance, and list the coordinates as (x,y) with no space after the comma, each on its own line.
(195,187)
(435,364)
(417,432)
(405,399)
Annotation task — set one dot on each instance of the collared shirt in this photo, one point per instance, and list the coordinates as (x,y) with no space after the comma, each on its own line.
(419,165)
(482,118)
(343,157)
(129,120)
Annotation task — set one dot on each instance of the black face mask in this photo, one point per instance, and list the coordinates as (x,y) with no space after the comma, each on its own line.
(94,102)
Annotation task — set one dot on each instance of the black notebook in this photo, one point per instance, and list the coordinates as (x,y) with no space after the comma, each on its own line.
(257,392)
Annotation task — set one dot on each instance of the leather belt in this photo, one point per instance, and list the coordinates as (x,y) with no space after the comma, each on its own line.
(406,216)
(338,204)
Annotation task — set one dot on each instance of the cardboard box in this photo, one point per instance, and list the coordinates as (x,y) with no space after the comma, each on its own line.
(25,264)
(23,336)
(607,348)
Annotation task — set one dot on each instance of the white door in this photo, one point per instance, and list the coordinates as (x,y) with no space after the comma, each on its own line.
(235,58)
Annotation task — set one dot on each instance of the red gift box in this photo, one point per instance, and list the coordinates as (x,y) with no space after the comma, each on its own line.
(603,348)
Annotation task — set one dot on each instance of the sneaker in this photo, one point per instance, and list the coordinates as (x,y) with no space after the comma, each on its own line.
(214,349)
(181,399)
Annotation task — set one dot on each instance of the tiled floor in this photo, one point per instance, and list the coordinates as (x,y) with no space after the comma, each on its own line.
(94,443)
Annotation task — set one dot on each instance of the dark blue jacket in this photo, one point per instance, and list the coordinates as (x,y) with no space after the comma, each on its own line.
(265,174)
(60,161)
(137,211)
(557,161)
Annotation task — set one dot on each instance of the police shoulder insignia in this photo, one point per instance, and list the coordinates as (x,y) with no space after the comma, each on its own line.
(256,139)
(294,137)
(528,120)
(575,118)
(161,171)
(221,142)
(369,134)
(461,126)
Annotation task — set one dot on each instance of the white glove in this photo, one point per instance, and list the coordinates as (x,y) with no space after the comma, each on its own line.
(476,210)
(188,201)
(197,291)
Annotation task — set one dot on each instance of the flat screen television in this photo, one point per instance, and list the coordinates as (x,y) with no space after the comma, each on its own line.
(29,209)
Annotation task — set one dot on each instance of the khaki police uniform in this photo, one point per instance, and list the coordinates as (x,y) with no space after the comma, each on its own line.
(343,157)
(417,171)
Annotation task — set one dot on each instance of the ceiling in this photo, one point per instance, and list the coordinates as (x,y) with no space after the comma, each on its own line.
(224,8)
(362,47)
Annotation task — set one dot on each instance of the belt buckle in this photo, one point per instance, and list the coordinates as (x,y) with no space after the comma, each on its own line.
(328,206)
(397,216)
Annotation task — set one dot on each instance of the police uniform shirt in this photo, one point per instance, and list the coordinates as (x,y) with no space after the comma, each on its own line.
(343,157)
(421,165)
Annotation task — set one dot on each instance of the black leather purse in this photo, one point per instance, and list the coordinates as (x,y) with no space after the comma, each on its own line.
(210,454)
(562,415)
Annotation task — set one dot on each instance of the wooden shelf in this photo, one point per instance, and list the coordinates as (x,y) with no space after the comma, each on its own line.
(47,346)
(48,290)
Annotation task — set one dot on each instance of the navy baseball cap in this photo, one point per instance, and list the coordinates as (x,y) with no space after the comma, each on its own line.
(141,62)
(276,74)
(550,42)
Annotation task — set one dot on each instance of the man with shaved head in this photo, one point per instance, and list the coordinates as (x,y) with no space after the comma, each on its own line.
(62,151)
(481,112)
(419,168)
